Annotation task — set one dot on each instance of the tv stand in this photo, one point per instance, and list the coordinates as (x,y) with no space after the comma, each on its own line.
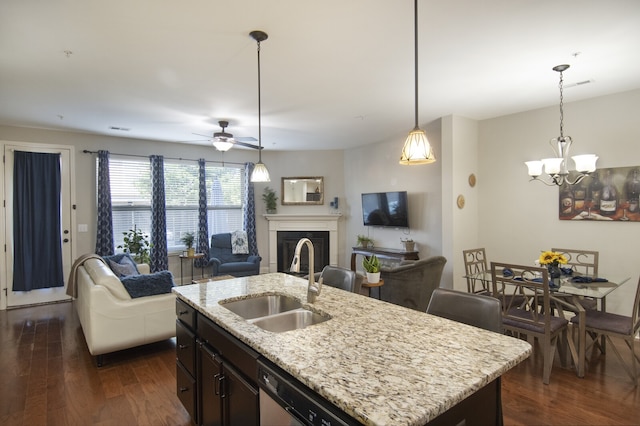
(383,253)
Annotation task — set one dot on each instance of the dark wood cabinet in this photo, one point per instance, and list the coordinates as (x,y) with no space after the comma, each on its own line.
(216,373)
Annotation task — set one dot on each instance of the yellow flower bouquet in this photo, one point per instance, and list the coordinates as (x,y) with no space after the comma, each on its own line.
(552,258)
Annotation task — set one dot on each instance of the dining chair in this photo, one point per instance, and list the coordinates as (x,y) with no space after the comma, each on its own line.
(599,324)
(475,263)
(526,309)
(583,262)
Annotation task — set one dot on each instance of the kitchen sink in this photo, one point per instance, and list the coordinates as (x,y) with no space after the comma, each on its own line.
(291,320)
(262,306)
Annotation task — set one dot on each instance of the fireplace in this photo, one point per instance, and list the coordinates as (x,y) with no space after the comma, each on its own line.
(287,241)
(327,224)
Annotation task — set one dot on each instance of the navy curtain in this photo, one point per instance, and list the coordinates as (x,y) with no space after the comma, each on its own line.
(249,218)
(37,256)
(159,255)
(203,223)
(104,228)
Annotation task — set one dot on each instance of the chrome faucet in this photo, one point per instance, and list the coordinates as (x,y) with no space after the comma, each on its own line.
(313,290)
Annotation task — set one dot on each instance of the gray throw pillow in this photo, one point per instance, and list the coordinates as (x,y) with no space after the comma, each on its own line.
(124,268)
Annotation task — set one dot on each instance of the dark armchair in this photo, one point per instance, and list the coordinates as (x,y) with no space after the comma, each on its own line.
(411,284)
(224,262)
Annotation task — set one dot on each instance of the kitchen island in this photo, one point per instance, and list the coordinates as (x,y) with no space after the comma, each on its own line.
(380,363)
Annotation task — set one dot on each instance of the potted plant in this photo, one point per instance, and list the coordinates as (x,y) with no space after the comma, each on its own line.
(136,243)
(364,241)
(408,244)
(269,197)
(188,239)
(371,265)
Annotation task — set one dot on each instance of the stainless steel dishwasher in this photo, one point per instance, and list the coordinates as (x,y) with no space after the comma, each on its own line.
(286,401)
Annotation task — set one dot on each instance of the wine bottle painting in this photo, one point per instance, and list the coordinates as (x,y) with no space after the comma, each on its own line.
(607,194)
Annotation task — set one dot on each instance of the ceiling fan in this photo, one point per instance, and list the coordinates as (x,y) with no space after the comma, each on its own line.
(223,141)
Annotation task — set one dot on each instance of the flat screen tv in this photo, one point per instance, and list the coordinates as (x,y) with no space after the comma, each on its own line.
(385,209)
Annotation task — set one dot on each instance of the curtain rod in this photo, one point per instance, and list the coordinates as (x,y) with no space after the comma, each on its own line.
(86,151)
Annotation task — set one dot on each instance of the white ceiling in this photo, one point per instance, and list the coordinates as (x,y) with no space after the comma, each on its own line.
(335,73)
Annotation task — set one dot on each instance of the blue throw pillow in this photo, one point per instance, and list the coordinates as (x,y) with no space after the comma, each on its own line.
(126,265)
(148,284)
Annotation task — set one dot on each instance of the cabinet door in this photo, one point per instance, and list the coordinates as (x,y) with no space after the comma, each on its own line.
(241,401)
(186,391)
(185,347)
(211,383)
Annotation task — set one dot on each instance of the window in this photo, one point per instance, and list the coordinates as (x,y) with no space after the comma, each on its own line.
(131,198)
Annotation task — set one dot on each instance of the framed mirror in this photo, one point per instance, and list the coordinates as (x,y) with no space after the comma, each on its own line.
(302,190)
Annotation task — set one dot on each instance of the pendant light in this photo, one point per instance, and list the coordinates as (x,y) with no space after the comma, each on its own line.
(260,172)
(417,149)
(557,167)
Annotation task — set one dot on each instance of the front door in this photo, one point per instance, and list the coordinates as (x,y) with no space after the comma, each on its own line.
(42,295)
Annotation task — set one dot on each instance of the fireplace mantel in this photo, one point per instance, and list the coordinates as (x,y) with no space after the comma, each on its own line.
(302,222)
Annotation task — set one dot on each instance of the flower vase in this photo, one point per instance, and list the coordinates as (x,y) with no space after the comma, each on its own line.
(554,271)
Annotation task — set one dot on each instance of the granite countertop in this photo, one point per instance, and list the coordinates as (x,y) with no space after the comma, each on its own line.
(380,363)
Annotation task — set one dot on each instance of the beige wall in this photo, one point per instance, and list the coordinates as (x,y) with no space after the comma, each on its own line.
(518,218)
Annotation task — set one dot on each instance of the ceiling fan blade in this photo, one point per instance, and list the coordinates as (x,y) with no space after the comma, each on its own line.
(246,139)
(248,145)
(206,136)
(195,140)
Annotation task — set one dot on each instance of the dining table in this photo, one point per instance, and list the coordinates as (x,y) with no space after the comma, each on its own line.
(566,293)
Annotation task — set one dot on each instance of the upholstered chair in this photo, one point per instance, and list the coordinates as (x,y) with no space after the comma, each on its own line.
(224,262)
(411,283)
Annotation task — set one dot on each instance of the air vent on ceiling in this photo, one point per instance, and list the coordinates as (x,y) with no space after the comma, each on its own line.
(579,83)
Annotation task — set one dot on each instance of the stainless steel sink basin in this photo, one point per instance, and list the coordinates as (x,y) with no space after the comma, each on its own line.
(291,320)
(262,306)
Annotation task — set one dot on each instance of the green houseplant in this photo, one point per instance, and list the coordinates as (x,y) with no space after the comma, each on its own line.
(371,265)
(136,243)
(188,239)
(364,241)
(269,197)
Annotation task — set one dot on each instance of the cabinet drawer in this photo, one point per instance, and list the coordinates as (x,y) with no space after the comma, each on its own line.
(186,391)
(186,314)
(244,358)
(186,347)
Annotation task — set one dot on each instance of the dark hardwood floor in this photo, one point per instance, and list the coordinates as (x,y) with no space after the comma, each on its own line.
(49,378)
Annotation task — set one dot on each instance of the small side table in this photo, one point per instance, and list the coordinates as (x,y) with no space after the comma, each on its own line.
(192,258)
(366,284)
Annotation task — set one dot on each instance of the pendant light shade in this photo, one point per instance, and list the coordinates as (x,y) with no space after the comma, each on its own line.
(417,149)
(260,172)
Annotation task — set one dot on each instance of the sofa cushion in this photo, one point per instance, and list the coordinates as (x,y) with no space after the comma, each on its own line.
(148,285)
(123,268)
(102,275)
(122,264)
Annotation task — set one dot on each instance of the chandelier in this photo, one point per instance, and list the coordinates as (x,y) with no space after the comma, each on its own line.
(556,167)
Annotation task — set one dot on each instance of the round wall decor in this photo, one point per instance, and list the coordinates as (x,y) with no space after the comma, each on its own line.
(472,180)
(460,201)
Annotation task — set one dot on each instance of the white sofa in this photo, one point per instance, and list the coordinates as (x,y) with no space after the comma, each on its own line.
(111,320)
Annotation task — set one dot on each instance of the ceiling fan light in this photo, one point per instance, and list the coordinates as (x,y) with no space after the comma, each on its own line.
(417,149)
(260,173)
(222,145)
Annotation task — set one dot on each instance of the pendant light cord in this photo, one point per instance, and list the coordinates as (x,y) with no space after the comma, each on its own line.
(561,109)
(259,110)
(415,14)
